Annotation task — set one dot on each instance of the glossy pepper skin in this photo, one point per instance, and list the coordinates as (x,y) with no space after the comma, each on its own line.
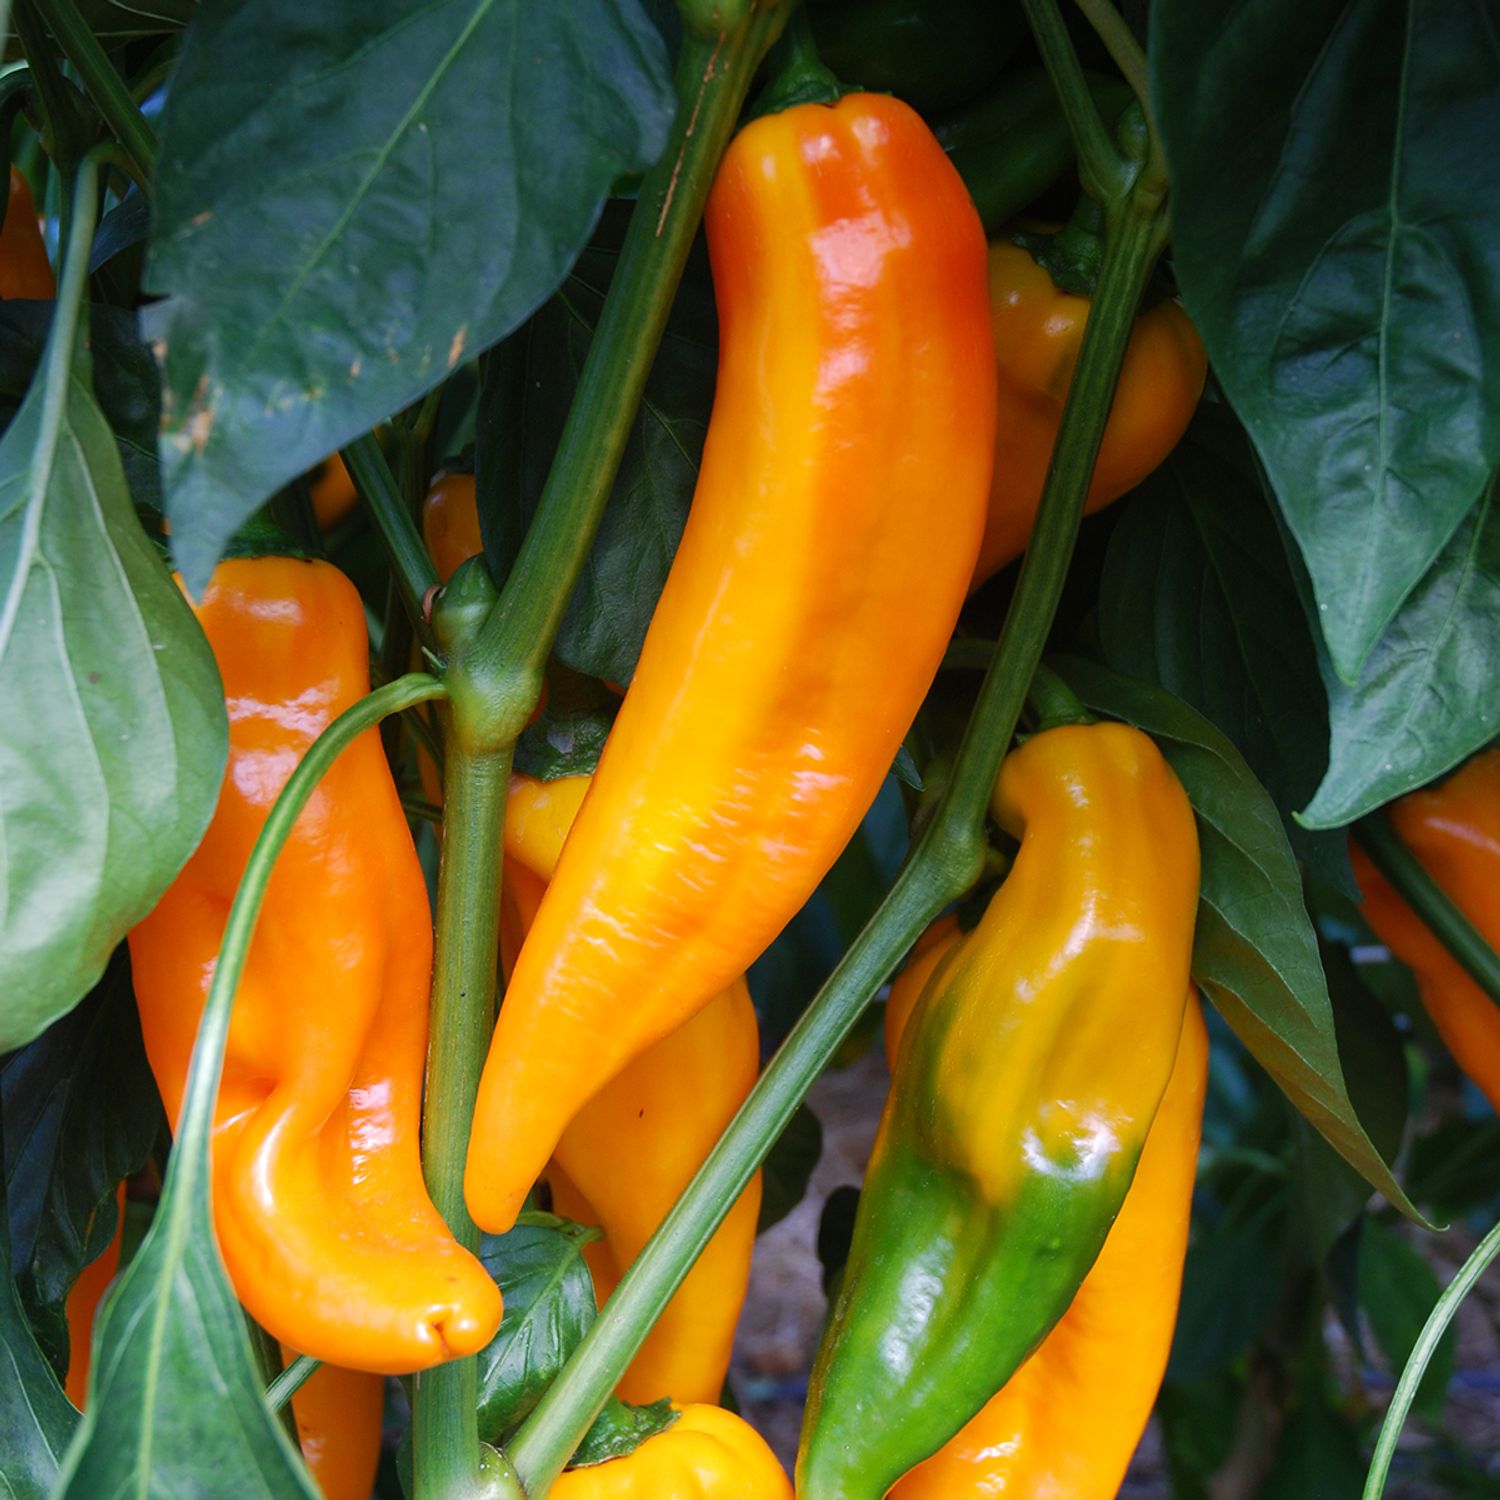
(831,538)
(84,1298)
(25,270)
(320,1210)
(1069,1420)
(1026,1082)
(706,1454)
(629,1152)
(1038,330)
(1453,828)
(450,522)
(339,1414)
(333,492)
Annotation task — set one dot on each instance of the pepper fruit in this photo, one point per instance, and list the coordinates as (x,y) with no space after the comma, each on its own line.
(706,1454)
(84,1297)
(631,1150)
(1038,331)
(333,492)
(25,270)
(1108,1353)
(1026,1082)
(339,1414)
(829,545)
(1453,829)
(450,522)
(320,1210)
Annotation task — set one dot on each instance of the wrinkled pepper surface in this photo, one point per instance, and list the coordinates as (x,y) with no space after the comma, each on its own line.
(1069,1420)
(320,1210)
(1453,828)
(338,1414)
(84,1298)
(631,1150)
(1026,1082)
(1038,331)
(706,1454)
(830,541)
(25,270)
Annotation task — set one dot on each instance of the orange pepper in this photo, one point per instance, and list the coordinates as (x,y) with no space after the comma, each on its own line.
(450,522)
(83,1303)
(1453,828)
(25,270)
(320,1210)
(339,1414)
(333,492)
(830,543)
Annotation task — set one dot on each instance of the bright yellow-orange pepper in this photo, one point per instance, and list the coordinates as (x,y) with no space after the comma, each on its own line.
(83,1302)
(1453,828)
(25,270)
(338,1414)
(333,492)
(1038,330)
(450,522)
(629,1152)
(706,1454)
(320,1209)
(831,539)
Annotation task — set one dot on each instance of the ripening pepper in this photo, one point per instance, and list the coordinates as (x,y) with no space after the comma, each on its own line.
(706,1454)
(1453,828)
(25,270)
(84,1298)
(320,1210)
(1026,1082)
(339,1414)
(1069,1420)
(830,541)
(1038,331)
(450,522)
(631,1150)
(333,492)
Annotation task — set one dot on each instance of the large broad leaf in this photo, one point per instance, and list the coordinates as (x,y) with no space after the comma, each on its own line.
(1426,697)
(114,737)
(352,200)
(1254,951)
(81,1113)
(1398,1290)
(1337,239)
(1197,597)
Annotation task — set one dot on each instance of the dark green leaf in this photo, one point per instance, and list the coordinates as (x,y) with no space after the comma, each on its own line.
(352,201)
(1337,240)
(1398,1290)
(836,1234)
(789,1167)
(607,617)
(121,19)
(1319,1455)
(1456,1170)
(568,736)
(549,1305)
(1426,697)
(1198,1423)
(1197,596)
(620,1429)
(81,1113)
(1254,951)
(112,771)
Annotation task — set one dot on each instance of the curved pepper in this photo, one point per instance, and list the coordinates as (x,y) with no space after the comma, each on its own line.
(706,1454)
(320,1210)
(25,270)
(333,492)
(1068,1421)
(1038,330)
(339,1415)
(450,522)
(1453,828)
(631,1150)
(84,1297)
(831,538)
(1026,1082)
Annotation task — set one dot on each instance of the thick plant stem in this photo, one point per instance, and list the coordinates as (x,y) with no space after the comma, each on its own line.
(947,860)
(411,568)
(445,1440)
(1430,901)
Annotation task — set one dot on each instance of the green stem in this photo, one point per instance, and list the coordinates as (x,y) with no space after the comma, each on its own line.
(714,69)
(268,1359)
(66,133)
(290,1381)
(1389,854)
(104,85)
(947,860)
(1111,28)
(1421,1356)
(445,1439)
(1054,701)
(798,74)
(410,565)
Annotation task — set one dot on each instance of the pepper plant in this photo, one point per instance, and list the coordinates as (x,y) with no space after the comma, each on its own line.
(419,299)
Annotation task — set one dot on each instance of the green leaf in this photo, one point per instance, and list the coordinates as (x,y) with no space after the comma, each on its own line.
(81,1113)
(788,1167)
(1398,1291)
(524,402)
(110,775)
(1338,246)
(549,1306)
(836,1234)
(1254,951)
(620,1429)
(351,201)
(1197,596)
(569,734)
(36,1418)
(1319,1453)
(1426,697)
